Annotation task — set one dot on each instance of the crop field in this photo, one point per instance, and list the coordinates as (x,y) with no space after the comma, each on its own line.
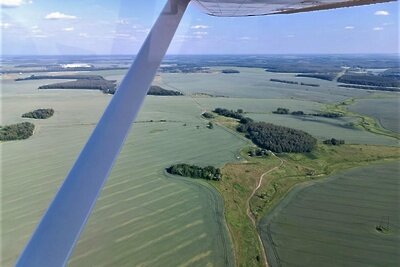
(324,128)
(255,83)
(333,222)
(142,217)
(145,217)
(384,110)
(320,127)
(258,106)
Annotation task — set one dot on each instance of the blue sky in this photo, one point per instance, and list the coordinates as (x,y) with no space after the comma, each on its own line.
(119,27)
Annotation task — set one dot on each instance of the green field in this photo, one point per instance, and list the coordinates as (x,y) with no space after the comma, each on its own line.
(142,217)
(332,222)
(255,83)
(320,127)
(384,110)
(326,128)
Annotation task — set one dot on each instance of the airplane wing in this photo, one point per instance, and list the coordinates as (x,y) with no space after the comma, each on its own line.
(240,8)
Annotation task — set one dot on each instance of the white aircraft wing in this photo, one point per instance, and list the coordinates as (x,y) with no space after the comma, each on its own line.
(240,8)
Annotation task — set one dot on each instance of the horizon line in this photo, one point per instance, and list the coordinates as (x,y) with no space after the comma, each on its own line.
(173,54)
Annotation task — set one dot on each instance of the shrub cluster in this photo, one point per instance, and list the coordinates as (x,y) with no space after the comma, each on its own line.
(229,113)
(17,131)
(230,71)
(208,115)
(157,90)
(258,152)
(333,142)
(233,114)
(297,113)
(42,113)
(281,111)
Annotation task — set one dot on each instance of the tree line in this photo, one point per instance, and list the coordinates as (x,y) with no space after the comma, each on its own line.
(61,77)
(193,171)
(321,76)
(370,79)
(333,142)
(153,90)
(229,71)
(366,87)
(286,111)
(93,84)
(229,113)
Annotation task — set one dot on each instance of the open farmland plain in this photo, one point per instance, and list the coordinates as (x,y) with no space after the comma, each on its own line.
(333,222)
(384,110)
(255,83)
(143,216)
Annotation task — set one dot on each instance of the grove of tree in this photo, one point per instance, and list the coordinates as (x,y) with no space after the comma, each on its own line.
(42,113)
(193,171)
(17,131)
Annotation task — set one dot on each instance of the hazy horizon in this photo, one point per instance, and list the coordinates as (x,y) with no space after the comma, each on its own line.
(249,54)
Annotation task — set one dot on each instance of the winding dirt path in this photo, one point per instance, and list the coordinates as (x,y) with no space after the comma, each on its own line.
(250,214)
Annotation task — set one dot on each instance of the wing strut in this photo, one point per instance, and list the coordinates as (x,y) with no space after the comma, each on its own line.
(60,227)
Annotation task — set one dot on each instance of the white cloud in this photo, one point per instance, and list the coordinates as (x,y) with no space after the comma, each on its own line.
(197,27)
(377,29)
(83,34)
(122,22)
(10,3)
(4,25)
(69,29)
(381,13)
(349,27)
(58,15)
(290,36)
(14,3)
(40,36)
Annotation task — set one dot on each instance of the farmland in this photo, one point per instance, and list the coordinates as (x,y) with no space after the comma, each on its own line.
(146,217)
(333,222)
(140,209)
(255,83)
(384,110)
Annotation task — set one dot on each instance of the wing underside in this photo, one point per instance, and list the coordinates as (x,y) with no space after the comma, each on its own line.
(239,8)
